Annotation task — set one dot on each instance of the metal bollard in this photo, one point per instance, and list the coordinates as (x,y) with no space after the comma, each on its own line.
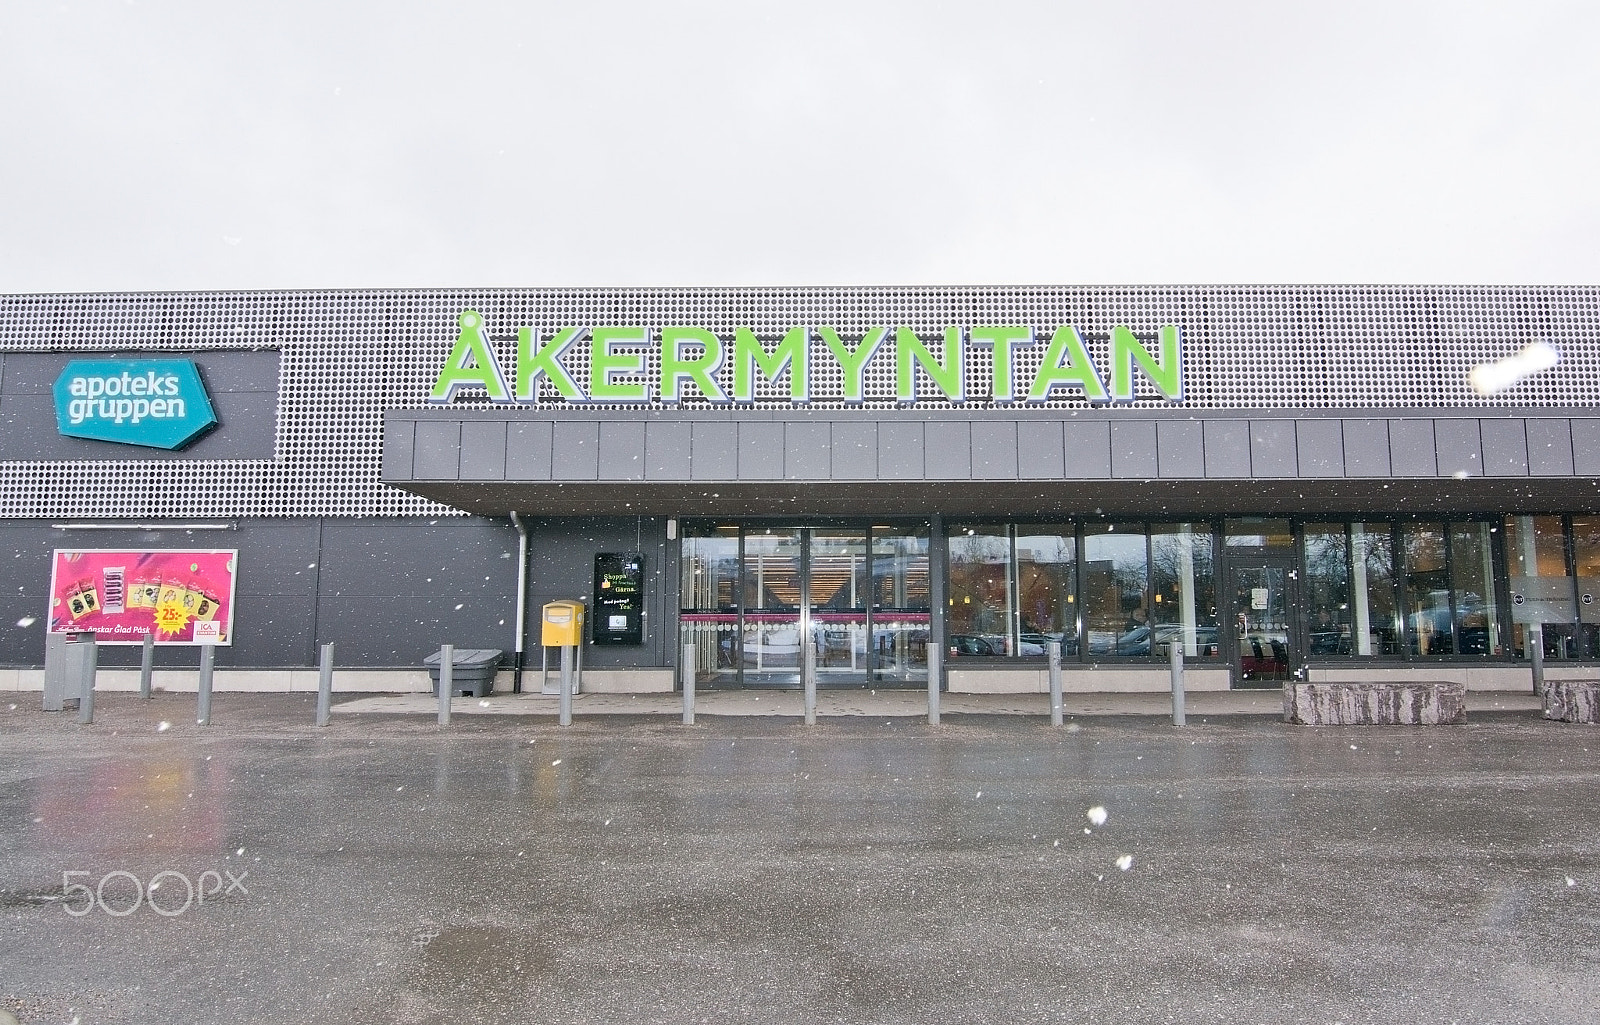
(90,655)
(935,651)
(325,684)
(1534,642)
(147,664)
(447,681)
(568,660)
(208,655)
(688,684)
(1175,657)
(808,673)
(1053,649)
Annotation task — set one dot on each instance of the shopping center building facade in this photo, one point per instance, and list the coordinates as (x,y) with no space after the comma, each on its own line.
(1288,482)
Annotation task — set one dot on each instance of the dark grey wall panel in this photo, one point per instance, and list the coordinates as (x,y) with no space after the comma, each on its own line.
(1273,449)
(416,560)
(483,450)
(900,452)
(1088,449)
(1505,447)
(1549,447)
(807,450)
(1227,448)
(1133,448)
(1586,448)
(855,450)
(666,450)
(529,451)
(400,634)
(1180,448)
(622,450)
(561,566)
(948,450)
(994,450)
(714,451)
(1040,452)
(1411,448)
(437,455)
(1320,448)
(1459,447)
(575,450)
(761,451)
(399,445)
(276,558)
(1366,448)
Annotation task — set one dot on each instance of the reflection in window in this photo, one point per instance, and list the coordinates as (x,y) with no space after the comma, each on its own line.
(1430,629)
(1116,616)
(979,620)
(1543,602)
(1586,556)
(1253,532)
(1327,589)
(1183,587)
(1472,588)
(1046,588)
(1375,619)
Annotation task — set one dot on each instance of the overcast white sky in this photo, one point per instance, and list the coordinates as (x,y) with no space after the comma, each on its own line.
(155,144)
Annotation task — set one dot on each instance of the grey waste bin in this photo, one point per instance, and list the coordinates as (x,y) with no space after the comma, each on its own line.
(471,670)
(70,661)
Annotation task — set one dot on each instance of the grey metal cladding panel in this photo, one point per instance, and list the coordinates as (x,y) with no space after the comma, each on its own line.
(900,450)
(1549,447)
(271,632)
(1505,447)
(1040,451)
(1411,451)
(575,450)
(528,450)
(1586,448)
(760,450)
(438,450)
(483,450)
(403,633)
(1459,447)
(1133,449)
(994,450)
(399,443)
(666,450)
(23,647)
(622,450)
(247,423)
(447,557)
(1273,450)
(855,450)
(714,450)
(278,558)
(1320,444)
(1088,449)
(1180,449)
(807,450)
(1227,448)
(1366,448)
(947,449)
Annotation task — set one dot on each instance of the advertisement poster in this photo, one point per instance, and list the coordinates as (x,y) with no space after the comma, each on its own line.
(180,597)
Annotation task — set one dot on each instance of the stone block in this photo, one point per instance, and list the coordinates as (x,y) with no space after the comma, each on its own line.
(1408,703)
(1572,700)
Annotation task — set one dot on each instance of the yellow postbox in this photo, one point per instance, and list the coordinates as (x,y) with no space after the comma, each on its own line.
(563,624)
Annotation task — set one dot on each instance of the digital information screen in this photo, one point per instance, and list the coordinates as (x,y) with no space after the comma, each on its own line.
(618,609)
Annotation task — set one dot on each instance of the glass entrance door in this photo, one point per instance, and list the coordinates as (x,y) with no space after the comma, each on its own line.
(1260,648)
(754,596)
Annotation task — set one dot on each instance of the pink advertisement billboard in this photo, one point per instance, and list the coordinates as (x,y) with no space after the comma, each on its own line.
(180,597)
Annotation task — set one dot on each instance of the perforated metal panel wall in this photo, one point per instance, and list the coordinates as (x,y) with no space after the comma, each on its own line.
(346,356)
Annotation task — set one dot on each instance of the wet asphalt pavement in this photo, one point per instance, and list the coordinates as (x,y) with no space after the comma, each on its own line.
(751,869)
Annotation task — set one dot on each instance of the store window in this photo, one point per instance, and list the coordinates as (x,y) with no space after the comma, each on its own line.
(1586,559)
(1327,590)
(1116,573)
(1430,627)
(1256,532)
(1472,589)
(1543,602)
(979,618)
(1183,588)
(1375,619)
(1047,585)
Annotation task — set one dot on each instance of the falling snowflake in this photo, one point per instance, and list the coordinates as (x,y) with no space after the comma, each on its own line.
(1097,815)
(1125,862)
(163,726)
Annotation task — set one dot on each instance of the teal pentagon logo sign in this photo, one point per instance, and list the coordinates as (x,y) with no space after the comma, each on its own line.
(155,403)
